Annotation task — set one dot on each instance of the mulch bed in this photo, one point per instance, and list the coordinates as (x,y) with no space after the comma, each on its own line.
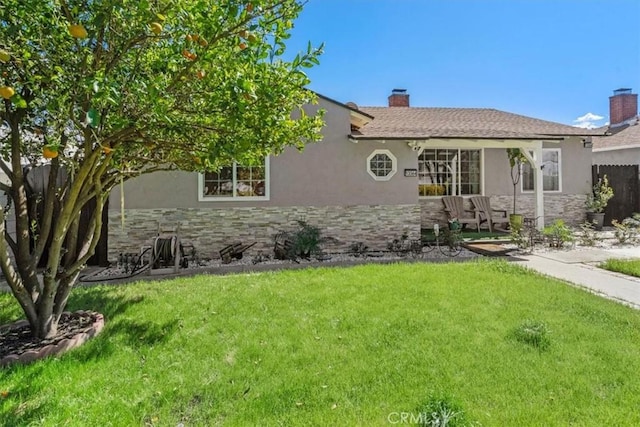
(17,345)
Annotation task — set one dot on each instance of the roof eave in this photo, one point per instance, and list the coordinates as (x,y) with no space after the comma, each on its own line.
(425,138)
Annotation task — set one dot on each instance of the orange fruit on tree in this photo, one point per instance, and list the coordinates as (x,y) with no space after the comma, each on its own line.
(242,46)
(78,31)
(243,34)
(7,92)
(106,149)
(189,38)
(200,74)
(203,42)
(49,153)
(249,7)
(156,27)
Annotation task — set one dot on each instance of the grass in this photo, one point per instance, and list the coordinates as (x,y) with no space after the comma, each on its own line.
(352,346)
(630,267)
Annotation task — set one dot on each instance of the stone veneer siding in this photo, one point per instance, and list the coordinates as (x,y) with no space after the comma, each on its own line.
(569,207)
(209,230)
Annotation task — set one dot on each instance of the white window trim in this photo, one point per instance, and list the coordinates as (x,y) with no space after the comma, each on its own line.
(394,165)
(559,190)
(267,189)
(458,148)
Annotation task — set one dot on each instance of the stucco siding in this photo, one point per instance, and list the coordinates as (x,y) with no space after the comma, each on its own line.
(331,172)
(628,156)
(575,162)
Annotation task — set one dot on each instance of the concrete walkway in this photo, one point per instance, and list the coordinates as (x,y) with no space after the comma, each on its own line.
(578,266)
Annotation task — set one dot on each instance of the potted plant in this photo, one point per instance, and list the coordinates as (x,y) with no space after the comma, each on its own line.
(516,160)
(597,202)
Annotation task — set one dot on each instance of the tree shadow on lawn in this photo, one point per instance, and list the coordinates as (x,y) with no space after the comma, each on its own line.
(25,404)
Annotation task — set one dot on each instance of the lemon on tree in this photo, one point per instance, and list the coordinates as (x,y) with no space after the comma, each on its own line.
(78,31)
(7,92)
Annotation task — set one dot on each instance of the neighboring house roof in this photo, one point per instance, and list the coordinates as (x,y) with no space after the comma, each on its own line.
(476,123)
(627,136)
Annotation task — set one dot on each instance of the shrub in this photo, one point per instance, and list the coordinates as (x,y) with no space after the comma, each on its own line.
(588,235)
(534,333)
(405,246)
(519,238)
(358,249)
(307,240)
(441,412)
(304,241)
(627,230)
(558,234)
(601,194)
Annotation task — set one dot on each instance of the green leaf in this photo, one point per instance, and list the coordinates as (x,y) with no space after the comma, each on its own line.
(93,119)
(18,101)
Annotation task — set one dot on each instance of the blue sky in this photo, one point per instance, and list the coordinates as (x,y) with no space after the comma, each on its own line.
(551,59)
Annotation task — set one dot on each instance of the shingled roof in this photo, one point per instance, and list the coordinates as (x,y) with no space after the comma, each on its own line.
(476,123)
(622,137)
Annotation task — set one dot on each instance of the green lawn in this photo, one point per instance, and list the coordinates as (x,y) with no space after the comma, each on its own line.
(352,346)
(629,267)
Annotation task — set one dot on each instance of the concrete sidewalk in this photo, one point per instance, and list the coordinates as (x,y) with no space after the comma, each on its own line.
(579,267)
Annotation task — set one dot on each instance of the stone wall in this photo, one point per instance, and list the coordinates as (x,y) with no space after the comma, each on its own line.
(209,230)
(569,207)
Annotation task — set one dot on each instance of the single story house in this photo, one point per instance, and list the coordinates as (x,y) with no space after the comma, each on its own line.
(379,172)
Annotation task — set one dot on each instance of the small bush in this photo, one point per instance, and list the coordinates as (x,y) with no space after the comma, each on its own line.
(534,333)
(588,235)
(519,238)
(358,249)
(627,231)
(303,242)
(558,234)
(405,246)
(442,412)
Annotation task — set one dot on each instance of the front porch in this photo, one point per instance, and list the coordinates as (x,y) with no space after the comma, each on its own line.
(569,207)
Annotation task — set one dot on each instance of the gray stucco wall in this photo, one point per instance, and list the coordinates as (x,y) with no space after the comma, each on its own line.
(331,172)
(628,156)
(576,169)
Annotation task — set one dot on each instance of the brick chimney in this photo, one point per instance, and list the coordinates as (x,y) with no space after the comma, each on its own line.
(623,105)
(399,98)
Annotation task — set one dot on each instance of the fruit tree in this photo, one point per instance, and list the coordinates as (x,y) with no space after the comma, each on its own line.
(103,91)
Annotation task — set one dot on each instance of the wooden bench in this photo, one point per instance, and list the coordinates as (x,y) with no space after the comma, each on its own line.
(234,251)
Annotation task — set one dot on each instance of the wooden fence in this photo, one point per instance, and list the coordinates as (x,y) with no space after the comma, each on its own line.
(626,190)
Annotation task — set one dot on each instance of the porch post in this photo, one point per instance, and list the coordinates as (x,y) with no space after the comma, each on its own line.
(536,162)
(539,185)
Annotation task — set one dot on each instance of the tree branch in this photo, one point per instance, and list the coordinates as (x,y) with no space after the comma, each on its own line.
(22,294)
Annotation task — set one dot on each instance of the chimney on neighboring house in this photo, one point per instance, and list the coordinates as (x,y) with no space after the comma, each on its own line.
(399,98)
(623,105)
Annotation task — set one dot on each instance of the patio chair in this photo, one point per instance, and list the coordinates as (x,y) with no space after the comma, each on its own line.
(482,205)
(454,207)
